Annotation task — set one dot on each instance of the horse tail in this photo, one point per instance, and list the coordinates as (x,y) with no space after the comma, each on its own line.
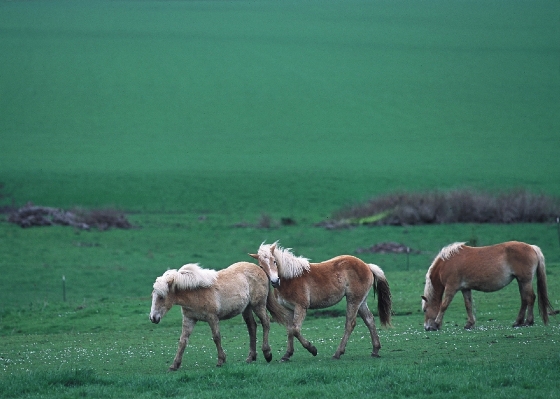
(277,311)
(545,307)
(381,287)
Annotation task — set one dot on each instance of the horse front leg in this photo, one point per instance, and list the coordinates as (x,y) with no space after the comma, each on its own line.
(290,340)
(265,322)
(188,326)
(299,316)
(214,323)
(252,329)
(447,298)
(467,295)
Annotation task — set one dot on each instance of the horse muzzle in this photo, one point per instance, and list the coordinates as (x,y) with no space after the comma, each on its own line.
(275,283)
(431,326)
(155,319)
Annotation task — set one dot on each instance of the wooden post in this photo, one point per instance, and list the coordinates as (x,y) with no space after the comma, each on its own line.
(407,257)
(558,227)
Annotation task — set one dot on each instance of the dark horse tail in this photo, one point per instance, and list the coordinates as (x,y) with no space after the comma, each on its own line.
(545,307)
(277,311)
(381,288)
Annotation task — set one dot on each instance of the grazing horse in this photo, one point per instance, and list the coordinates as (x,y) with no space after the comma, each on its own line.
(462,268)
(300,285)
(210,296)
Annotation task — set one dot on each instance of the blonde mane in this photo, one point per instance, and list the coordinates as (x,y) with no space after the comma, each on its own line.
(188,277)
(445,253)
(289,265)
(450,250)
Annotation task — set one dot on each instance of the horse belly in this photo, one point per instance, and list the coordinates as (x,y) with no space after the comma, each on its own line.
(489,283)
(232,306)
(324,301)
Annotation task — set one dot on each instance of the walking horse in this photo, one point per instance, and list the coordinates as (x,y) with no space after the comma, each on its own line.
(300,285)
(211,296)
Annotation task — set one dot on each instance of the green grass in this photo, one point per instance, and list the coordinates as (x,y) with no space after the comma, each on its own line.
(197,116)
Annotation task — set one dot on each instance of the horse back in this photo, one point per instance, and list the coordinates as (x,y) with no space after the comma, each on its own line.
(487,268)
(328,282)
(236,287)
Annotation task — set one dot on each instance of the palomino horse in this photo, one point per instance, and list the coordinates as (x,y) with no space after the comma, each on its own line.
(210,296)
(459,267)
(300,285)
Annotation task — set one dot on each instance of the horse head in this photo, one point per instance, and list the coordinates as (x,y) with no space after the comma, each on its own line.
(267,262)
(161,300)
(431,310)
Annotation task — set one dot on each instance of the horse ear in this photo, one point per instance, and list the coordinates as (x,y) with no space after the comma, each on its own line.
(254,256)
(273,247)
(424,298)
(170,280)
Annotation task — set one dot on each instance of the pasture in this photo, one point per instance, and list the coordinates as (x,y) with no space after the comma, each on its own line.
(198,118)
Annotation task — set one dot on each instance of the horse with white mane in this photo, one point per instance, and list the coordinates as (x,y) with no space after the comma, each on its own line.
(211,296)
(462,268)
(300,285)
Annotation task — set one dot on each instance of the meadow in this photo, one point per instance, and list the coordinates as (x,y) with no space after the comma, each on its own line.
(197,119)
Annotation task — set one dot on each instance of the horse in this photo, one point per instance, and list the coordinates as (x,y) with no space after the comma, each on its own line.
(459,267)
(211,296)
(300,285)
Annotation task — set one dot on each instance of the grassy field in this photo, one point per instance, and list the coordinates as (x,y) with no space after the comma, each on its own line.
(277,106)
(198,117)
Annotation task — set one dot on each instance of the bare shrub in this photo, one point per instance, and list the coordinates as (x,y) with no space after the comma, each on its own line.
(459,206)
(31,215)
(104,219)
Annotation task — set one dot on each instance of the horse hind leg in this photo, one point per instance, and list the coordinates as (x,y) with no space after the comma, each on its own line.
(369,320)
(351,313)
(527,304)
(467,295)
(217,338)
(252,329)
(265,322)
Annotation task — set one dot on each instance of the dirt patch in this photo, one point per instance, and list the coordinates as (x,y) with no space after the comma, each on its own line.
(388,248)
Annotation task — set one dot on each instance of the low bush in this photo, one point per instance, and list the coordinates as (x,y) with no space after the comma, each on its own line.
(102,219)
(459,206)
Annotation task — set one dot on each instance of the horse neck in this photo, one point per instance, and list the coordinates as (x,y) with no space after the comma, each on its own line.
(437,284)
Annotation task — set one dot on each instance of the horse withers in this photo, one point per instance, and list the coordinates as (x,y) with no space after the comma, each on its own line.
(300,285)
(458,267)
(211,296)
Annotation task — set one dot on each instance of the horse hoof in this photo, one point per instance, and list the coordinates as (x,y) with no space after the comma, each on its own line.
(468,326)
(173,368)
(268,357)
(336,356)
(313,351)
(285,359)
(251,358)
(375,355)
